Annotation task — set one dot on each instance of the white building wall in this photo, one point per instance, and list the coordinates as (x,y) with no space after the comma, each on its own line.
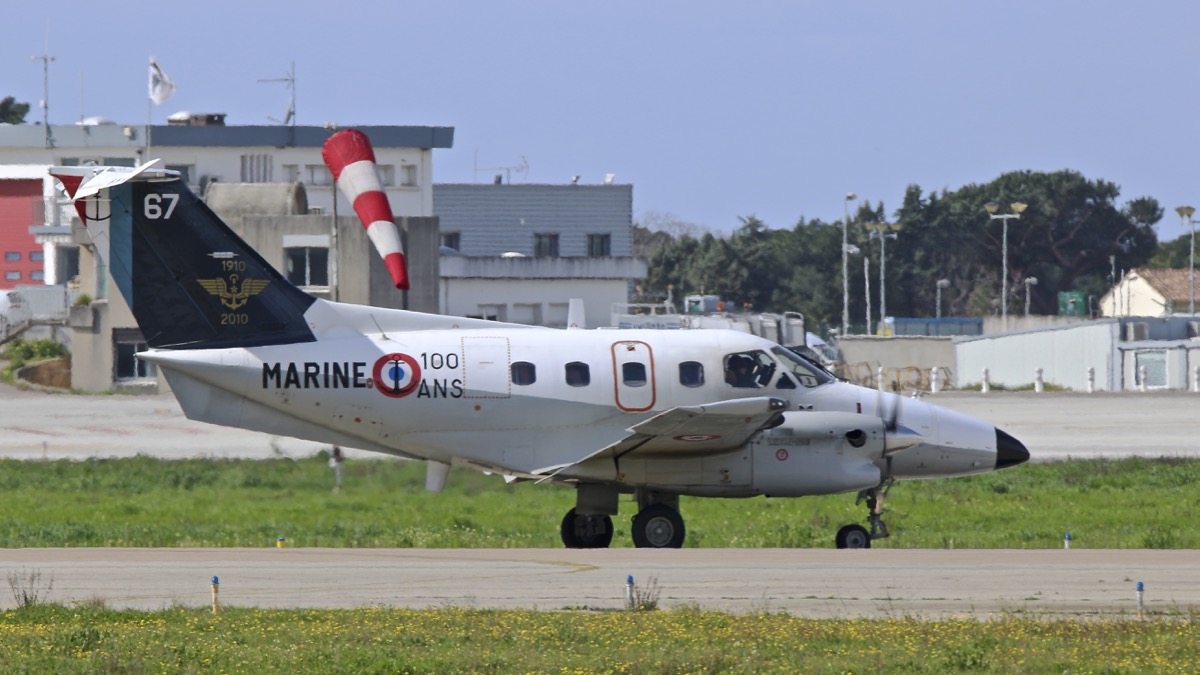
(1064,355)
(1133,297)
(520,299)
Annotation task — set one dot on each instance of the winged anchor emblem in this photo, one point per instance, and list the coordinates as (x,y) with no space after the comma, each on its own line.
(236,292)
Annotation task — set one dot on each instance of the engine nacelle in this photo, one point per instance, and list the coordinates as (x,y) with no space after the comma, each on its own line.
(818,453)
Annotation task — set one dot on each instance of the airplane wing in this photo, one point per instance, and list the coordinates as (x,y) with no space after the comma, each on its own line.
(690,431)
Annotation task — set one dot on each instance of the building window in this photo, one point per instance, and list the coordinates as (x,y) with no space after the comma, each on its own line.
(578,374)
(12,275)
(1155,363)
(545,245)
(633,374)
(118,161)
(599,245)
(691,374)
(387,174)
(291,173)
(317,174)
(12,256)
(524,373)
(36,256)
(307,266)
(452,240)
(408,175)
(127,344)
(37,275)
(257,168)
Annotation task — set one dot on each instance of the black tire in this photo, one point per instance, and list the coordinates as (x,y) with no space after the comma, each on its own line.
(658,526)
(586,531)
(853,536)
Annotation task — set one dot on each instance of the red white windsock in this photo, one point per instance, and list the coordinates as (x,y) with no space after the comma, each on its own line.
(349,156)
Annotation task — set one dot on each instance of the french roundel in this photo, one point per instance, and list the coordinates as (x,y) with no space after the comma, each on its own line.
(396,375)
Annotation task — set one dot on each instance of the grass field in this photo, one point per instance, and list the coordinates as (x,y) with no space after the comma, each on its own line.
(1130,503)
(55,639)
(145,502)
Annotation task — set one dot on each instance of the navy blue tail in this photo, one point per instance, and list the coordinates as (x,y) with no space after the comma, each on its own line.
(190,281)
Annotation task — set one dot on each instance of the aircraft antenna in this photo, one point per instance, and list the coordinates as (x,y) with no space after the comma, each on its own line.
(523,167)
(382,334)
(289,119)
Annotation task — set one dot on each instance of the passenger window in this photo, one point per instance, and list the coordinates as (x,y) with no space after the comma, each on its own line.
(578,374)
(633,374)
(523,373)
(691,374)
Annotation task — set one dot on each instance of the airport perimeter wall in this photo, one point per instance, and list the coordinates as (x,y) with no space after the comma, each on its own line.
(1063,353)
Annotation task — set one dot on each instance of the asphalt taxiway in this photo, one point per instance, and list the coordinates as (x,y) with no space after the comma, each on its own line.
(811,582)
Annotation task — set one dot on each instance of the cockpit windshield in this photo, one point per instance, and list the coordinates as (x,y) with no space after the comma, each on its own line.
(807,373)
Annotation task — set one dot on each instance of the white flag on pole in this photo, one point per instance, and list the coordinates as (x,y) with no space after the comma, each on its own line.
(161,86)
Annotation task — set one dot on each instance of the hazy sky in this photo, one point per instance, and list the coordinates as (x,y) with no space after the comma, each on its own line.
(712,110)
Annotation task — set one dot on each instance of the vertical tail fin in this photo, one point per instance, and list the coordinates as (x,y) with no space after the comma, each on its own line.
(190,281)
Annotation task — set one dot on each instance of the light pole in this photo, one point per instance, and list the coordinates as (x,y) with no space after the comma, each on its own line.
(850,196)
(941,283)
(1029,281)
(1185,212)
(1018,208)
(867,288)
(883,231)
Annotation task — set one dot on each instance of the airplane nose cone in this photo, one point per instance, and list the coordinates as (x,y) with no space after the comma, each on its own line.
(1009,451)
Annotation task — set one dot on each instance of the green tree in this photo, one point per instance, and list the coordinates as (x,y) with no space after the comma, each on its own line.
(1064,238)
(12,112)
(1175,254)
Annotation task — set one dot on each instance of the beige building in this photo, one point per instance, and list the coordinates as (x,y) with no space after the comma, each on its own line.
(1146,291)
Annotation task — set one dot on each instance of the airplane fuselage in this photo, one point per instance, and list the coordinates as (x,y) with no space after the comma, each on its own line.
(519,400)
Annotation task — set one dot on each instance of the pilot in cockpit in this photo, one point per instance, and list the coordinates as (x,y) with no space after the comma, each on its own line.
(739,372)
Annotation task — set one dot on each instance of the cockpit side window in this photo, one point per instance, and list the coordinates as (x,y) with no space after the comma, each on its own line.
(804,372)
(749,370)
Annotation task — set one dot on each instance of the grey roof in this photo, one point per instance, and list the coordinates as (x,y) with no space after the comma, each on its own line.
(493,219)
(113,135)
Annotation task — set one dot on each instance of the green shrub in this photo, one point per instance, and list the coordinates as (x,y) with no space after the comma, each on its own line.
(22,352)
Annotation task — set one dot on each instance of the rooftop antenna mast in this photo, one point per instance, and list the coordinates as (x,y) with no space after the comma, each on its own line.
(46,59)
(523,167)
(290,79)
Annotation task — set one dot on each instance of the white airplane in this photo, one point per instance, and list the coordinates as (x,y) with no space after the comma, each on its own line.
(655,414)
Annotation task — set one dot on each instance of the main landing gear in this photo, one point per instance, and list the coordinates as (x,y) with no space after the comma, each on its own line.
(857,536)
(656,525)
(590,531)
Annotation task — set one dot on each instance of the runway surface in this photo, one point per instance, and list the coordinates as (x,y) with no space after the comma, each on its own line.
(813,583)
(1052,425)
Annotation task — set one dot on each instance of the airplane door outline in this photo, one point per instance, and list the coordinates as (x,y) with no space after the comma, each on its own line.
(631,358)
(485,367)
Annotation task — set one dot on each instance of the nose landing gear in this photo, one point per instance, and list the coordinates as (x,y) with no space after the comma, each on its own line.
(857,536)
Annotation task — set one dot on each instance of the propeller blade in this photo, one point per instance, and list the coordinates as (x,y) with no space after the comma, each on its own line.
(899,438)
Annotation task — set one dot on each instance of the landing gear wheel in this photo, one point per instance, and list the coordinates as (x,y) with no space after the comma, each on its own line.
(658,526)
(853,536)
(580,531)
